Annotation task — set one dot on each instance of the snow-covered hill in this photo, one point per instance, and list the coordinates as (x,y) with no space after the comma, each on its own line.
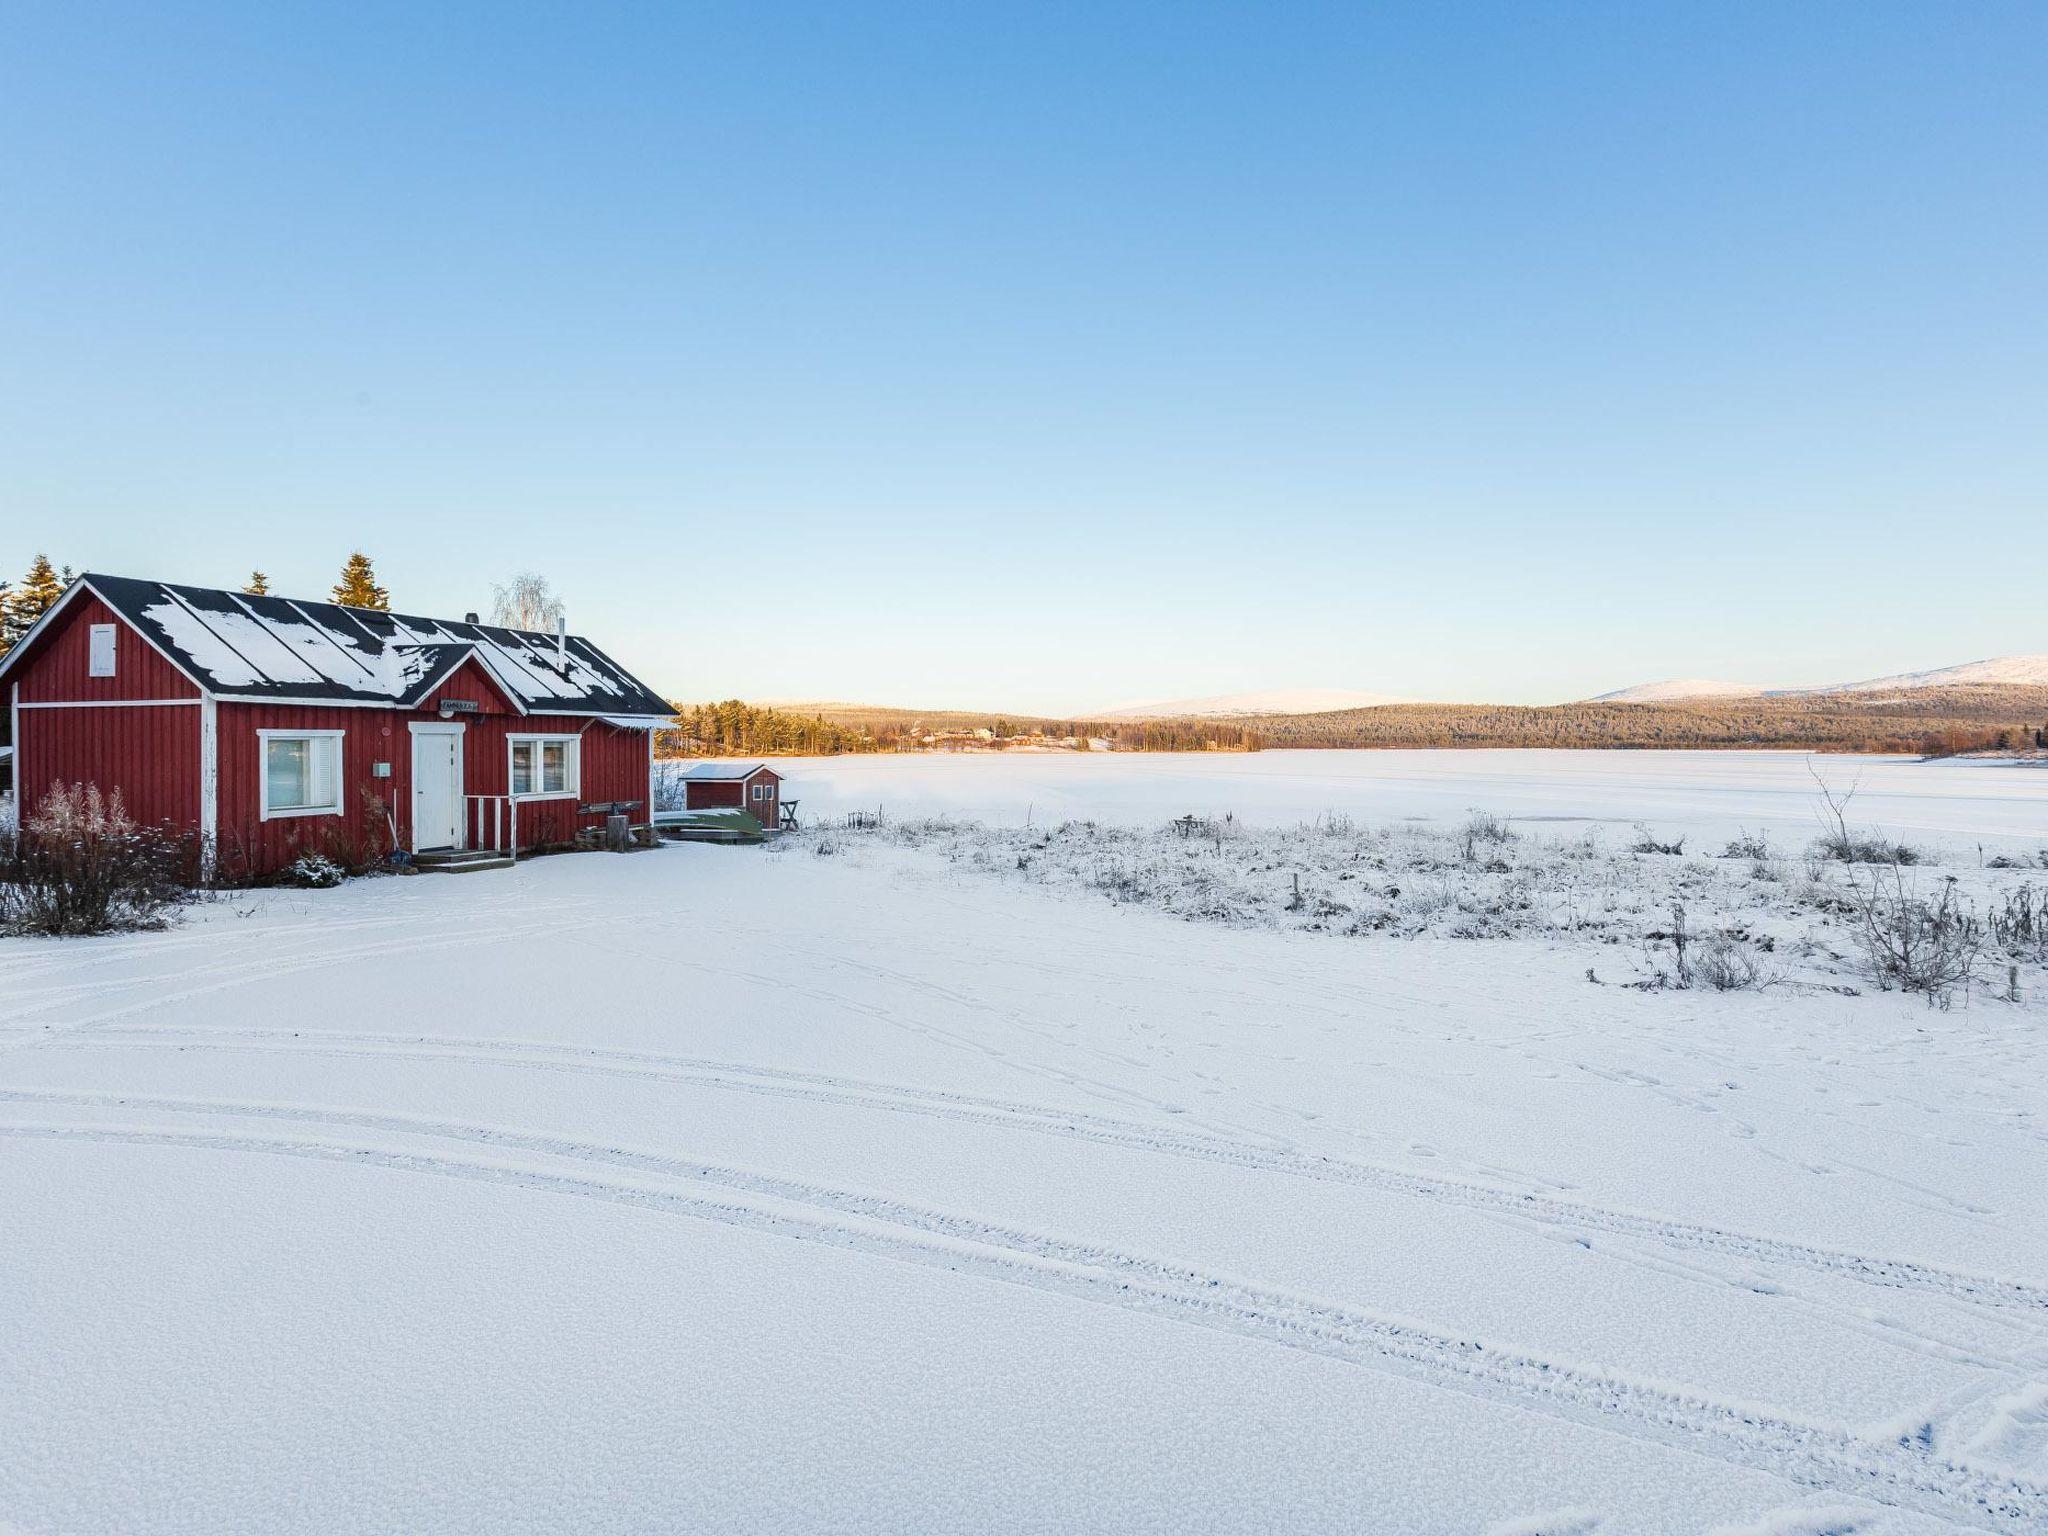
(2000,671)
(1277,701)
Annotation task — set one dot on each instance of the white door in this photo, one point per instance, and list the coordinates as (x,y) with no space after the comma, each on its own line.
(436,789)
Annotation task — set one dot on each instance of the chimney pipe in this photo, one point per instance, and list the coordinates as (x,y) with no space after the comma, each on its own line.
(562,640)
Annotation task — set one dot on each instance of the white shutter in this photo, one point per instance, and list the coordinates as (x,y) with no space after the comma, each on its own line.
(101,659)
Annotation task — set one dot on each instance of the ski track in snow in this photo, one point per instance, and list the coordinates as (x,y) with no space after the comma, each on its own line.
(1905,1473)
(1871,1269)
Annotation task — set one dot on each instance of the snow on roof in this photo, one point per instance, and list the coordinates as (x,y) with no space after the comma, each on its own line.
(722,770)
(237,643)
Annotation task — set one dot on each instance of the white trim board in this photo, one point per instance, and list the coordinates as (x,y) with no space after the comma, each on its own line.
(108,703)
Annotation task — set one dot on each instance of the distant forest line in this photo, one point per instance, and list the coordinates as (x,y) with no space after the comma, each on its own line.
(1928,722)
(736,728)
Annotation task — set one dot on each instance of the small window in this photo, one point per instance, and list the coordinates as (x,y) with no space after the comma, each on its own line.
(301,773)
(101,660)
(763,791)
(545,765)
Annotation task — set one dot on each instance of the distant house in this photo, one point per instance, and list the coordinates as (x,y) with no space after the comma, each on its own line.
(753,787)
(271,727)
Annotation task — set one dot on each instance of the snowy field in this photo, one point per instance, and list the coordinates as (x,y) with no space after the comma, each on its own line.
(1706,794)
(719,1190)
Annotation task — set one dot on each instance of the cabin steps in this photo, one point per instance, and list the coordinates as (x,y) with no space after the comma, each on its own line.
(460,861)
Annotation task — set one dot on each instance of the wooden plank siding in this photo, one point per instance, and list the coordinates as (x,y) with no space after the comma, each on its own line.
(150,754)
(149,751)
(61,662)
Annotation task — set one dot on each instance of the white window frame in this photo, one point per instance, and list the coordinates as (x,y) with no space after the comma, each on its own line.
(263,741)
(100,652)
(763,790)
(572,762)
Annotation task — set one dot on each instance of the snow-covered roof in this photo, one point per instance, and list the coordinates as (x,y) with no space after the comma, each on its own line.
(722,770)
(242,646)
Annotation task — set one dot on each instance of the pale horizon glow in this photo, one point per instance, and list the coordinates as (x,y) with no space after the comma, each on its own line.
(1042,359)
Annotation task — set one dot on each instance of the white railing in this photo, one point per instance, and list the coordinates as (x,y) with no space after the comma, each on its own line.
(492,822)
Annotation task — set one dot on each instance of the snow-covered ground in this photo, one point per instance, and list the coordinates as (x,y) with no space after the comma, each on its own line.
(1708,795)
(722,1189)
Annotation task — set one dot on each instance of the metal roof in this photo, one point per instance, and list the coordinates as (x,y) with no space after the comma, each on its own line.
(238,645)
(723,770)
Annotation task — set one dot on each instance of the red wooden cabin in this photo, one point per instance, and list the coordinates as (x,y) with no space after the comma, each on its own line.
(271,728)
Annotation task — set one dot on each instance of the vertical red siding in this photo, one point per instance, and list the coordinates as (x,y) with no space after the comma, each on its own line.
(58,667)
(150,754)
(614,767)
(251,845)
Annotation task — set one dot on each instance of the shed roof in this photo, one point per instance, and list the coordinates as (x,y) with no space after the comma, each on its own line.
(239,645)
(725,770)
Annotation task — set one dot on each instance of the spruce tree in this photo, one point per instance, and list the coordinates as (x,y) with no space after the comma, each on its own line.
(37,594)
(258,585)
(358,585)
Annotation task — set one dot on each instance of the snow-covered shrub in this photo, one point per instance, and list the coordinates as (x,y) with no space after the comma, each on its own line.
(1724,963)
(1646,842)
(83,865)
(1749,845)
(1916,944)
(314,872)
(1484,830)
(1846,847)
(2019,924)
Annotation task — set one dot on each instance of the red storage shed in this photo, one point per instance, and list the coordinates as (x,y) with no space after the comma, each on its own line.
(752,787)
(271,727)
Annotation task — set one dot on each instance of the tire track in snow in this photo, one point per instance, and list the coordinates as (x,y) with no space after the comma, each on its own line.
(274,967)
(1549,1210)
(1904,1472)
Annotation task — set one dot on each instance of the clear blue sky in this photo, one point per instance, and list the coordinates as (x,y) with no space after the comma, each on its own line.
(1042,356)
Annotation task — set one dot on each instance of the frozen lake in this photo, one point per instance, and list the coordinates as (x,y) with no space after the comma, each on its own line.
(1702,794)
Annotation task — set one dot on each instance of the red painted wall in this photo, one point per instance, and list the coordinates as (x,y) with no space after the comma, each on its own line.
(249,845)
(150,754)
(57,665)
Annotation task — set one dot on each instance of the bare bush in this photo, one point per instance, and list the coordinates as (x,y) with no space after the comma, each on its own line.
(2019,924)
(1749,845)
(1727,964)
(1646,842)
(82,865)
(1916,945)
(1484,827)
(1845,847)
(1839,844)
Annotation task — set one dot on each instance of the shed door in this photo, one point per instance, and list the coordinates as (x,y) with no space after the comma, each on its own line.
(436,789)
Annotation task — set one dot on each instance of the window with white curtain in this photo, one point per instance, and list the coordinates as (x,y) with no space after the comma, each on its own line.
(300,773)
(545,765)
